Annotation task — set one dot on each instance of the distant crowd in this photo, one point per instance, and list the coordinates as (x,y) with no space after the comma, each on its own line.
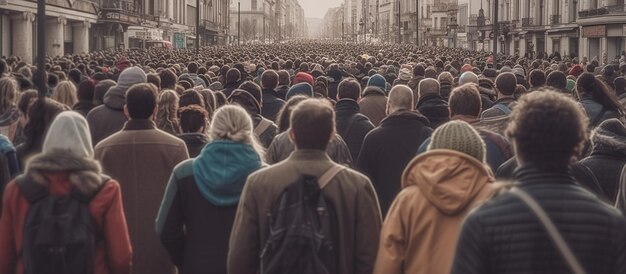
(313,157)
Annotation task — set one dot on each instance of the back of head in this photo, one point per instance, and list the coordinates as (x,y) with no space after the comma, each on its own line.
(254,89)
(233,76)
(65,93)
(300,89)
(168,103)
(40,115)
(141,101)
(8,94)
(284,114)
(459,136)
(190,97)
(86,90)
(192,67)
(283,78)
(154,79)
(69,134)
(313,124)
(428,86)
(548,130)
(168,79)
(349,89)
(506,83)
(192,118)
(468,77)
(246,100)
(269,79)
(465,100)
(537,78)
(418,70)
(400,98)
(557,80)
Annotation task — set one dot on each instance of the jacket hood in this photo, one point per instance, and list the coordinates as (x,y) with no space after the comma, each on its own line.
(84,172)
(69,132)
(610,138)
(450,180)
(373,91)
(221,170)
(116,96)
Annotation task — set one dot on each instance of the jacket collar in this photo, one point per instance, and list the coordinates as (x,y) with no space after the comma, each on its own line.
(139,124)
(430,96)
(531,175)
(402,116)
(309,155)
(347,105)
(371,90)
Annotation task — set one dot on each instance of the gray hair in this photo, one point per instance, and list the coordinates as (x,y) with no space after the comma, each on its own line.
(400,97)
(232,122)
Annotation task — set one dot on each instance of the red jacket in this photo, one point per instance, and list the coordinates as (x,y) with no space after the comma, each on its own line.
(113,254)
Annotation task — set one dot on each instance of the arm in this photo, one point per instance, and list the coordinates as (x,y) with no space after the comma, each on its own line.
(392,247)
(368,228)
(471,251)
(119,251)
(244,247)
(8,250)
(170,222)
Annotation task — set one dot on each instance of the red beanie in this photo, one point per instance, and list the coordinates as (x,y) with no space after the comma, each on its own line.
(576,70)
(303,77)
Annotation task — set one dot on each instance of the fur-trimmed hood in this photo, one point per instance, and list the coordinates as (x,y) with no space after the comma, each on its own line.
(610,138)
(84,173)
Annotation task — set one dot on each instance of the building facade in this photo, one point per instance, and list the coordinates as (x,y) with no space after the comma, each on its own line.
(79,26)
(266,21)
(68,26)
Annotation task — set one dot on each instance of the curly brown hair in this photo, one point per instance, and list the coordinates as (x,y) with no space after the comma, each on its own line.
(548,129)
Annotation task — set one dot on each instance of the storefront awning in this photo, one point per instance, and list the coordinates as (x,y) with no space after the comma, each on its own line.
(561,30)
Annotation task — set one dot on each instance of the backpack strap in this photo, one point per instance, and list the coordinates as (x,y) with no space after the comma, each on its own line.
(503,108)
(329,175)
(262,126)
(32,191)
(555,235)
(621,193)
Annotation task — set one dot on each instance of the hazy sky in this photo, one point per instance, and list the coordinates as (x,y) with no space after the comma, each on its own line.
(317,8)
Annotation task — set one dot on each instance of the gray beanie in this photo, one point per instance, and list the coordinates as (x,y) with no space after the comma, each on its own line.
(459,136)
(131,76)
(116,96)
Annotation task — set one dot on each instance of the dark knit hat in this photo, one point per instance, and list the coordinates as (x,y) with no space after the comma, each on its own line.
(245,100)
(459,136)
(377,80)
(300,89)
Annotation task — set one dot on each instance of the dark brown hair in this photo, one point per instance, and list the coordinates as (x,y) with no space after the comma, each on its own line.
(312,123)
(465,100)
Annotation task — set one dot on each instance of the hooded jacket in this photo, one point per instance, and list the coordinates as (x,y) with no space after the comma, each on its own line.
(419,234)
(608,156)
(352,126)
(435,108)
(198,209)
(387,150)
(109,118)
(67,163)
(373,104)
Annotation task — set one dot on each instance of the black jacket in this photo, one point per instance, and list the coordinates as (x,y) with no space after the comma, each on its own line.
(504,236)
(352,126)
(268,135)
(387,150)
(606,161)
(195,142)
(281,91)
(271,104)
(435,108)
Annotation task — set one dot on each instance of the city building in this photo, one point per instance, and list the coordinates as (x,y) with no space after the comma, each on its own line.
(266,20)
(78,26)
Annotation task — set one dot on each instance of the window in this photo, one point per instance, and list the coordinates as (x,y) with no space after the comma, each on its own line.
(254,5)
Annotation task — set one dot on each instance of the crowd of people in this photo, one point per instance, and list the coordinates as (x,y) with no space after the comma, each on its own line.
(313,157)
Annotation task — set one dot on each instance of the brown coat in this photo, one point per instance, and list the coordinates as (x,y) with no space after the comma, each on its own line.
(351,193)
(141,158)
(373,104)
(421,229)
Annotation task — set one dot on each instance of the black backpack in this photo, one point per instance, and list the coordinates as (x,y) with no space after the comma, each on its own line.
(301,229)
(59,233)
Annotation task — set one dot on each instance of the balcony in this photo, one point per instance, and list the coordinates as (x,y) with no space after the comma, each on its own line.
(555,19)
(527,22)
(609,10)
